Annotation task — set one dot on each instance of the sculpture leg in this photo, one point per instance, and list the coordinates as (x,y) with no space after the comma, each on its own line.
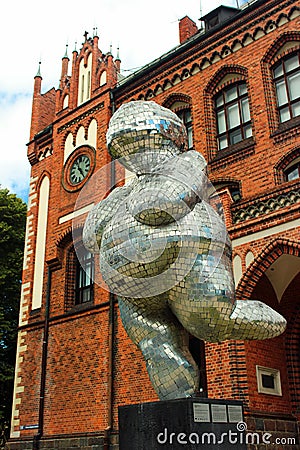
(153,328)
(206,307)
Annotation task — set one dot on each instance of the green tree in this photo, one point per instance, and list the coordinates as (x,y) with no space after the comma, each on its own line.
(12,232)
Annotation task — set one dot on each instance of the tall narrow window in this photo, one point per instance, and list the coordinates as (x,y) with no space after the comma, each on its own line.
(82,89)
(186,117)
(88,90)
(232,115)
(287,83)
(84,288)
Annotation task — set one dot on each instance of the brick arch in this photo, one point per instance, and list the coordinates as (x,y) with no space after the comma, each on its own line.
(267,61)
(176,97)
(225,70)
(44,174)
(64,238)
(278,43)
(266,258)
(284,161)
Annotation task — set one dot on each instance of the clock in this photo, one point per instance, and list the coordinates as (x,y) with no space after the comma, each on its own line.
(78,168)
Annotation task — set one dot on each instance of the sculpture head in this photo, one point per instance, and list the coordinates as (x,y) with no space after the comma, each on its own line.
(143,134)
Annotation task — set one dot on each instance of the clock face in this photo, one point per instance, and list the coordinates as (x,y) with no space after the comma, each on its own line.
(79,169)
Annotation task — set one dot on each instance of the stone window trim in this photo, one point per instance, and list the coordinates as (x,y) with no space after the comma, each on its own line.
(268,381)
(269,61)
(232,74)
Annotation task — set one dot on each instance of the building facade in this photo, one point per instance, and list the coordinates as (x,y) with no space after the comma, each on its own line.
(236,85)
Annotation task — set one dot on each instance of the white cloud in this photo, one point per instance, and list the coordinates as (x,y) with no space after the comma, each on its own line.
(143,30)
(14,131)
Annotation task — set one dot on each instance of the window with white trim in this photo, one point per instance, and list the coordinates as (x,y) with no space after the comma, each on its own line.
(232,115)
(286,75)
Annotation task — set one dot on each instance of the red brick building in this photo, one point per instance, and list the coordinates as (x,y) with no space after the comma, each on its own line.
(236,84)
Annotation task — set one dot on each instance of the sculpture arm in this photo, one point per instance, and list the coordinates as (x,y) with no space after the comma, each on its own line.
(100,216)
(170,191)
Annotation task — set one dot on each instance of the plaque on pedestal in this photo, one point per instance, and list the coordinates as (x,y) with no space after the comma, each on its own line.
(189,423)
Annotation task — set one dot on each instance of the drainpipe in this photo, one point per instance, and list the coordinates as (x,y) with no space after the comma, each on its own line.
(38,436)
(110,381)
(111,331)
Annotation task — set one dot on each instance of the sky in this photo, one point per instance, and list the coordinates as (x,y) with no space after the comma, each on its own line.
(31,32)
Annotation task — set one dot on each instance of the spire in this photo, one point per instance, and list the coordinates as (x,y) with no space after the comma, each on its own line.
(38,74)
(118,60)
(75,47)
(95,32)
(66,52)
(85,35)
(37,82)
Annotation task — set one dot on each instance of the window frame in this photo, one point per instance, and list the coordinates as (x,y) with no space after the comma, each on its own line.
(224,106)
(81,285)
(185,114)
(284,76)
(290,169)
(268,371)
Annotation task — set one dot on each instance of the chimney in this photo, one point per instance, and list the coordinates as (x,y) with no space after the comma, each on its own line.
(187,28)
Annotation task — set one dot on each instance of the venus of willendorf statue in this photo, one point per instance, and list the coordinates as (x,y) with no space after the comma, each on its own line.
(164,250)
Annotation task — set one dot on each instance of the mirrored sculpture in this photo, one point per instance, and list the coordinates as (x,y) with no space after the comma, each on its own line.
(165,252)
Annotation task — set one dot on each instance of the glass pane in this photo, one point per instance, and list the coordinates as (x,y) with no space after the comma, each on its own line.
(292,174)
(285,114)
(243,89)
(231,94)
(187,116)
(233,116)
(86,295)
(291,63)
(223,142)
(281,93)
(81,277)
(219,100)
(296,109)
(278,71)
(294,85)
(235,136)
(247,131)
(190,137)
(245,110)
(221,121)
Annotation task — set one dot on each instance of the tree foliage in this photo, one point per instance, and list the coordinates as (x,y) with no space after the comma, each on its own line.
(12,232)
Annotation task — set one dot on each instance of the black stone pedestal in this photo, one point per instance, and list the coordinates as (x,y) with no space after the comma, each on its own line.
(188,423)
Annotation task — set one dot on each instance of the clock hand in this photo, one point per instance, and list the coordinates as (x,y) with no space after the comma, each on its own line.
(81,171)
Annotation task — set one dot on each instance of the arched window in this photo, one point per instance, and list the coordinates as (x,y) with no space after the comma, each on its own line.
(286,75)
(181,104)
(186,116)
(292,171)
(66,101)
(232,115)
(84,79)
(103,78)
